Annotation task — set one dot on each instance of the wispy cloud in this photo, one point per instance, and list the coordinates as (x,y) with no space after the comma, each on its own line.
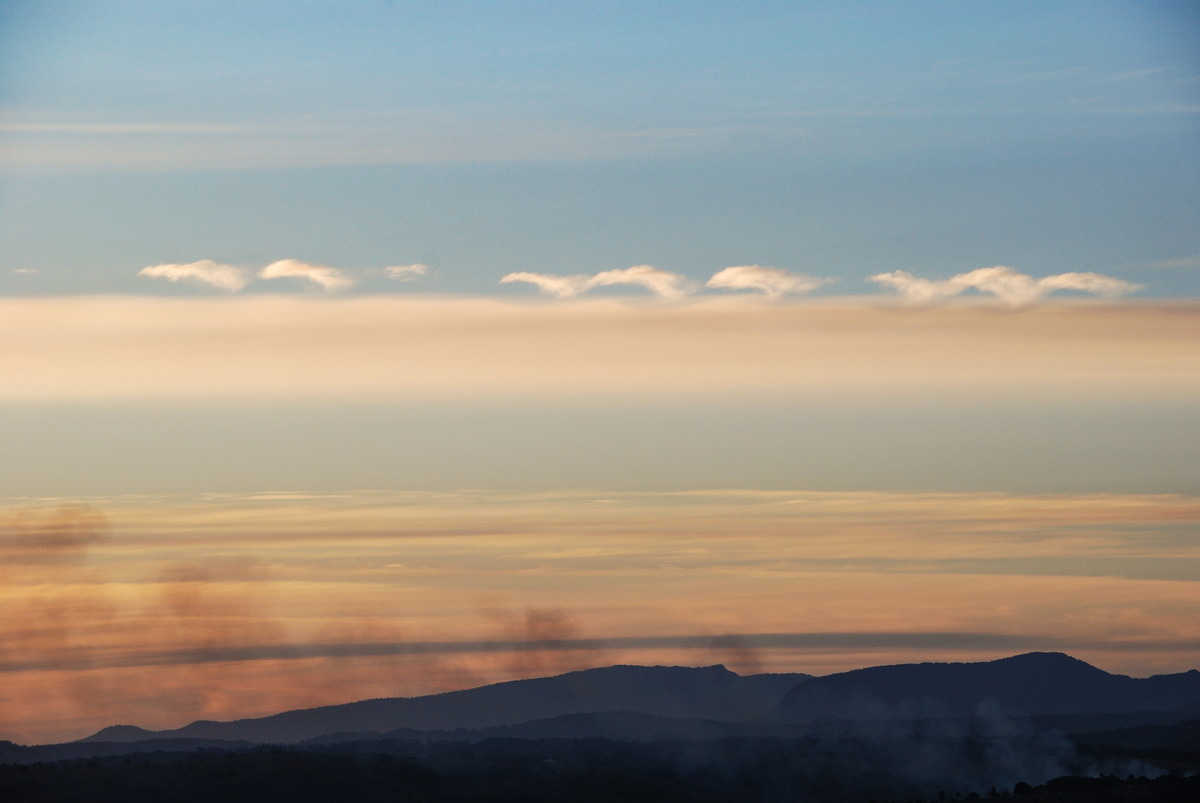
(214,274)
(1185,262)
(774,282)
(552,284)
(406,273)
(120,128)
(661,283)
(1004,283)
(326,277)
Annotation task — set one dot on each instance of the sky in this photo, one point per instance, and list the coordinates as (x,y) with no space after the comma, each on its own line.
(367,349)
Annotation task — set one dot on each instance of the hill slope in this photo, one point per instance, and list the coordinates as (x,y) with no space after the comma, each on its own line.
(1024,685)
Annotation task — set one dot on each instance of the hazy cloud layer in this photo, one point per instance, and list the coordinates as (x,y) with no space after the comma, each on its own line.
(774,282)
(205,271)
(35,535)
(326,277)
(661,283)
(1004,283)
(398,347)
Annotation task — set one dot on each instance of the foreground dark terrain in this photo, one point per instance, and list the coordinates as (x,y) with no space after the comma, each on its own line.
(1042,726)
(555,770)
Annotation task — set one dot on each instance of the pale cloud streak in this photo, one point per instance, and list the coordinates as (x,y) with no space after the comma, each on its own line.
(774,282)
(664,284)
(406,273)
(205,271)
(326,277)
(552,284)
(1004,283)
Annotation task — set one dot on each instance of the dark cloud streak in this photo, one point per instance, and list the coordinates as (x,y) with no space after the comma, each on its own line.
(941,641)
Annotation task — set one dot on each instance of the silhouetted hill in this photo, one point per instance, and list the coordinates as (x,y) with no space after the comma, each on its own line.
(1024,685)
(676,692)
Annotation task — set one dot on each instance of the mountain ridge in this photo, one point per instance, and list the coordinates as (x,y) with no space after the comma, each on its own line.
(1029,684)
(1038,684)
(711,692)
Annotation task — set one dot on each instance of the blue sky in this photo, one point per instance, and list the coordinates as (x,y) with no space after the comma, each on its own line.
(835,139)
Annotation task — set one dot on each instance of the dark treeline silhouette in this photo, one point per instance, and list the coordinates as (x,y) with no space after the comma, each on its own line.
(742,769)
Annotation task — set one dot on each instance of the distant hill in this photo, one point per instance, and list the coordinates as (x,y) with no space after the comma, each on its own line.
(1025,685)
(644,703)
(712,693)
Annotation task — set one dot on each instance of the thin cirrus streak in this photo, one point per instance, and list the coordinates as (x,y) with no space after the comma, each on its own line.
(942,641)
(440,348)
(1004,283)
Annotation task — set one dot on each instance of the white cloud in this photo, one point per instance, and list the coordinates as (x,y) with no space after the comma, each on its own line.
(406,273)
(663,284)
(552,284)
(774,282)
(329,278)
(27,271)
(225,277)
(918,290)
(1004,283)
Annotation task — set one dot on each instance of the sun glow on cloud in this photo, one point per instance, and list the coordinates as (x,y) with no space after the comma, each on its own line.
(773,282)
(326,277)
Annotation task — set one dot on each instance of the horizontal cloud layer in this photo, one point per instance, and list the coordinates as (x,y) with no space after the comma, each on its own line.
(205,271)
(403,347)
(1005,283)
